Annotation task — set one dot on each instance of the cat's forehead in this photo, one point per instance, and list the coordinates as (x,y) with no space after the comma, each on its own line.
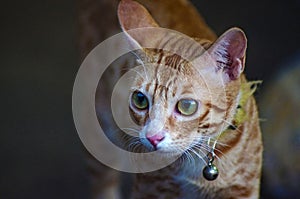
(169,61)
(168,72)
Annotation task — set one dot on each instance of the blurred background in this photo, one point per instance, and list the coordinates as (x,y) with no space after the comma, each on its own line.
(41,155)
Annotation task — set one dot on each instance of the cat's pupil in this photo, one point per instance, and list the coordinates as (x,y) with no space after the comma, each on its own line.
(187,107)
(186,104)
(139,100)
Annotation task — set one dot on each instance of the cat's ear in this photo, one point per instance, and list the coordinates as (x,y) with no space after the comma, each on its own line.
(133,15)
(229,52)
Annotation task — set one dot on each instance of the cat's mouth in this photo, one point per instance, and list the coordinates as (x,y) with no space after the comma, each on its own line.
(147,145)
(167,147)
(151,146)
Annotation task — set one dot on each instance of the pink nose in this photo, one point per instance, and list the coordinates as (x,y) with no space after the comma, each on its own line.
(155,139)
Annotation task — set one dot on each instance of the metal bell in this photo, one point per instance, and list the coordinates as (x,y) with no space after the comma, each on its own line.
(210,172)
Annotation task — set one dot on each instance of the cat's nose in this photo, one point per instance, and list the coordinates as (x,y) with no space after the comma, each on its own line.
(155,139)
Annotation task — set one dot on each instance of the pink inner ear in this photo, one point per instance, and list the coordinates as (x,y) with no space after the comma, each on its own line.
(229,53)
(237,43)
(133,15)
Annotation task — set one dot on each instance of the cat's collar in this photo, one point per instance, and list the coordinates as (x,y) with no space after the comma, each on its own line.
(246,91)
(210,171)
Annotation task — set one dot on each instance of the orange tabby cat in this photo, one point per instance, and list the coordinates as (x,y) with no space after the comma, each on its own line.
(174,108)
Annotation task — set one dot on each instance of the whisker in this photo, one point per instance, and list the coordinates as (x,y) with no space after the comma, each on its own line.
(195,152)
(141,62)
(135,70)
(229,123)
(131,129)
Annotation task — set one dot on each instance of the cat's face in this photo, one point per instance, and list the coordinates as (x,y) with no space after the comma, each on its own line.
(169,106)
(180,103)
(173,106)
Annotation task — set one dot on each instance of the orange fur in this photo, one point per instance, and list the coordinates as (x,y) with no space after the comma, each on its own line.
(239,151)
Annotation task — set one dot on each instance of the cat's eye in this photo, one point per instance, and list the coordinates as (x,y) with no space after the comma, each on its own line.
(139,100)
(187,107)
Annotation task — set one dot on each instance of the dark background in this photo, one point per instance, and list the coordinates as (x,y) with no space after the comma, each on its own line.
(41,155)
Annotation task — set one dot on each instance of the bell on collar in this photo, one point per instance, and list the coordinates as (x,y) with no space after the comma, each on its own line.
(210,172)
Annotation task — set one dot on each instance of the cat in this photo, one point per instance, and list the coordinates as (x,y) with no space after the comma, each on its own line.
(171,113)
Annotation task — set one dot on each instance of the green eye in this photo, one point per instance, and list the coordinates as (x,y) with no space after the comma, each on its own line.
(187,107)
(139,100)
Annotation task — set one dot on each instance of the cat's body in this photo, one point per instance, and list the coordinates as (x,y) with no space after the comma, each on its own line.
(171,79)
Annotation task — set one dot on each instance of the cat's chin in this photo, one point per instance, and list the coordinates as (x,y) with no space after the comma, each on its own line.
(163,151)
(163,148)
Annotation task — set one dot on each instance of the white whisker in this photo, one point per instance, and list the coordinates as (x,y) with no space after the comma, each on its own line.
(135,70)
(140,61)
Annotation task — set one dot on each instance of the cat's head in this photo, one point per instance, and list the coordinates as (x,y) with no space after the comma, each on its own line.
(179,102)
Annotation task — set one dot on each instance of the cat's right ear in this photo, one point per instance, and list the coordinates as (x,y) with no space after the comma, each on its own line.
(133,15)
(229,52)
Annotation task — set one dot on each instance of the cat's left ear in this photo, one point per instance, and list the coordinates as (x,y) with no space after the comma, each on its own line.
(229,52)
(133,15)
